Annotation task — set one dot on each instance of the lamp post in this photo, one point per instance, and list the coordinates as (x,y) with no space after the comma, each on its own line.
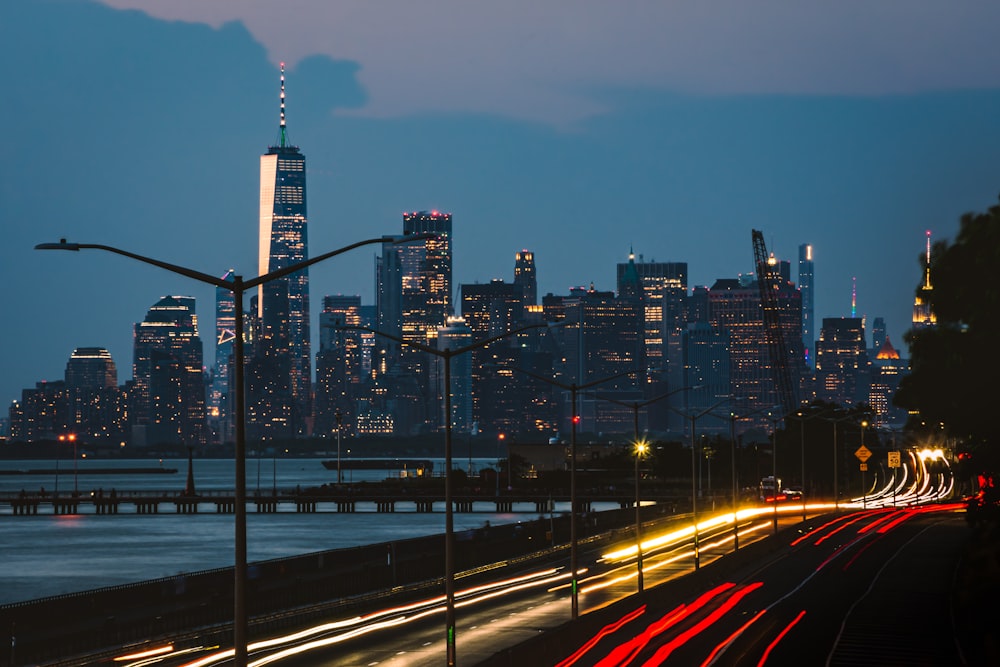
(339,417)
(640,449)
(774,466)
(864,490)
(733,418)
(238,287)
(449,522)
(692,417)
(574,390)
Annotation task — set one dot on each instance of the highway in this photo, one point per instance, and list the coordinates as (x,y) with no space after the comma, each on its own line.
(819,592)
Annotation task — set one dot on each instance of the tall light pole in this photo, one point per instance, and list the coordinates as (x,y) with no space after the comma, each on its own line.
(238,287)
(449,522)
(640,449)
(864,490)
(339,417)
(733,418)
(574,390)
(774,466)
(692,417)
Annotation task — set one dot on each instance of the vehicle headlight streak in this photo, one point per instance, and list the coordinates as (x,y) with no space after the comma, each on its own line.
(360,625)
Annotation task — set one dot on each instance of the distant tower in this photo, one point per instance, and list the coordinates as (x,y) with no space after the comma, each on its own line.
(92,390)
(842,361)
(225,335)
(806,276)
(169,403)
(283,241)
(414,293)
(854,297)
(524,275)
(923,316)
(878,335)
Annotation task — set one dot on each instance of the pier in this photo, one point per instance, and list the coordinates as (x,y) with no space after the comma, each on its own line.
(311,501)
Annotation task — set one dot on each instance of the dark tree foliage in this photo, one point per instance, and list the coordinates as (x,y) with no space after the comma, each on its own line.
(955,365)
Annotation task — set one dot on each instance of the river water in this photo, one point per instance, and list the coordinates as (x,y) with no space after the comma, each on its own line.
(45,555)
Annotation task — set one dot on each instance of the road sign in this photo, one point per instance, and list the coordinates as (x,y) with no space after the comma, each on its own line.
(893,459)
(864,467)
(863,453)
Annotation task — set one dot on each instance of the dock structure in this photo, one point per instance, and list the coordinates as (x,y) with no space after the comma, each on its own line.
(304,502)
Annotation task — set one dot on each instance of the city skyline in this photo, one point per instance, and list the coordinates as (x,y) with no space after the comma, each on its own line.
(624,160)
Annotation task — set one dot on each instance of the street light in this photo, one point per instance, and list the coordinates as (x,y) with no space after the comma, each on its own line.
(733,418)
(864,491)
(640,449)
(72,438)
(693,417)
(574,389)
(449,521)
(238,287)
(774,465)
(339,417)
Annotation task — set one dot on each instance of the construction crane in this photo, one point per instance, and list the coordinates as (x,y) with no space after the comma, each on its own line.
(769,283)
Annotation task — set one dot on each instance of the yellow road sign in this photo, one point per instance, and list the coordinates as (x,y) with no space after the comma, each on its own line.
(863,453)
(864,467)
(893,459)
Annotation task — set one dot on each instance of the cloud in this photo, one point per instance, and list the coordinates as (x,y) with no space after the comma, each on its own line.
(531,60)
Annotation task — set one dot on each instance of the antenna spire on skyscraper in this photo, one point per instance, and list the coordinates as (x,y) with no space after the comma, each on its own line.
(927,263)
(283,134)
(854,296)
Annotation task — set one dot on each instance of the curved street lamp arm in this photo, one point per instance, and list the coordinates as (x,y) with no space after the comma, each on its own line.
(288,270)
(447,351)
(173,268)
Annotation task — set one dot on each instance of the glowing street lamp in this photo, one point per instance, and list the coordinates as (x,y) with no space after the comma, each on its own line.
(238,287)
(692,417)
(641,447)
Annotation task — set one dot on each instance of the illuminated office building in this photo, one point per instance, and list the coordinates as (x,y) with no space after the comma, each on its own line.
(168,396)
(662,289)
(283,241)
(339,374)
(806,276)
(842,361)
(735,309)
(414,300)
(220,422)
(525,276)
(886,372)
(92,391)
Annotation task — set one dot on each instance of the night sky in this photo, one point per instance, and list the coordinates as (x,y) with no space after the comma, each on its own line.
(577,130)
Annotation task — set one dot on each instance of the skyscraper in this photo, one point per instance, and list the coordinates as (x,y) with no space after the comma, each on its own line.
(524,275)
(923,316)
(169,392)
(806,269)
(283,241)
(414,300)
(662,289)
(842,361)
(92,391)
(338,363)
(220,423)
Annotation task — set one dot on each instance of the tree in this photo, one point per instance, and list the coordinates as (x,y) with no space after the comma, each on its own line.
(954,364)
